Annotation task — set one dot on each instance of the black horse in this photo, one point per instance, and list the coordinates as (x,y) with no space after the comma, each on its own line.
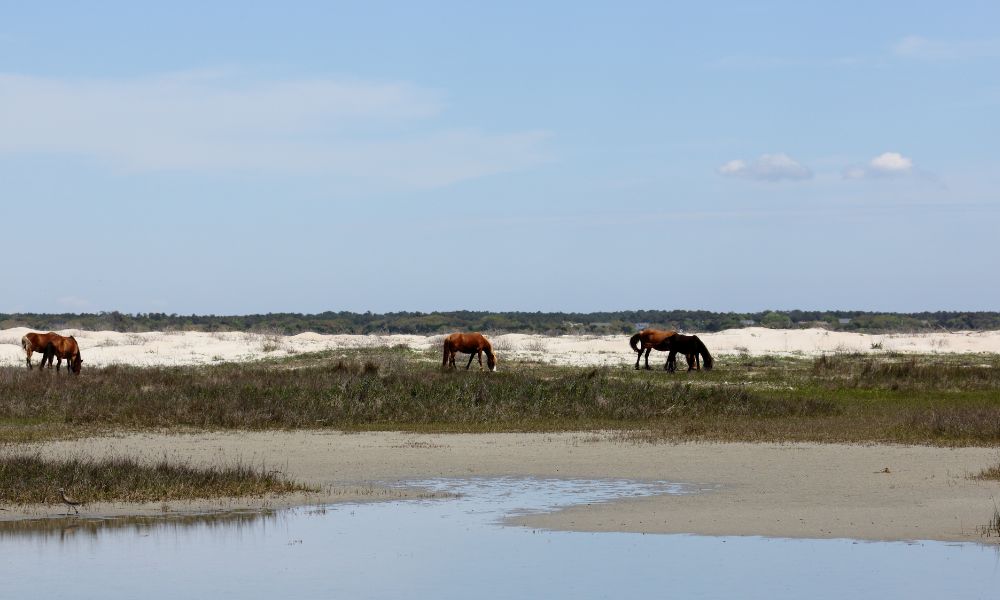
(691,347)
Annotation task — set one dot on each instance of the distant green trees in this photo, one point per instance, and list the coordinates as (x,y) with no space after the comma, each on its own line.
(600,323)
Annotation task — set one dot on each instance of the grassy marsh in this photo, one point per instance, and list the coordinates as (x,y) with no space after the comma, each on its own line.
(31,479)
(936,399)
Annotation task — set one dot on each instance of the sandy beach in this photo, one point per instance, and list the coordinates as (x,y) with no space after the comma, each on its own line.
(101,348)
(784,490)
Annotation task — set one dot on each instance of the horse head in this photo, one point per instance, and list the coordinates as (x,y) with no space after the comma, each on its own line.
(76,363)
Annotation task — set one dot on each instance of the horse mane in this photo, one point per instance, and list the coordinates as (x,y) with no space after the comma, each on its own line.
(701,349)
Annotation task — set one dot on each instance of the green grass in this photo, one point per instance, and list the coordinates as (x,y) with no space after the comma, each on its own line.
(947,400)
(30,479)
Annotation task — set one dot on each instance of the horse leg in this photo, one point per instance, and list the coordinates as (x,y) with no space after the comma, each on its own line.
(638,357)
(648,350)
(451,360)
(671,364)
(471,356)
(479,353)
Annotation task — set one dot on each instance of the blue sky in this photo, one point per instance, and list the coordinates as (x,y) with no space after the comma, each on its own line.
(249,157)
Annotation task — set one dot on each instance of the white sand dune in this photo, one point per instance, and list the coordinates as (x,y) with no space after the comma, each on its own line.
(101,348)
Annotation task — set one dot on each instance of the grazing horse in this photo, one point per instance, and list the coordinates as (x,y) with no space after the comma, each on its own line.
(651,339)
(36,342)
(691,347)
(473,344)
(60,348)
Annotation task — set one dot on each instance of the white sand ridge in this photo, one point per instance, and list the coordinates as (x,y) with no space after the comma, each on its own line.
(101,348)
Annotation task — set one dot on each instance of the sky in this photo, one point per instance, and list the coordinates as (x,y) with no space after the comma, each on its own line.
(252,157)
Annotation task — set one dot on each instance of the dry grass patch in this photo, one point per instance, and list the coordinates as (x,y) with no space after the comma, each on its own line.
(31,479)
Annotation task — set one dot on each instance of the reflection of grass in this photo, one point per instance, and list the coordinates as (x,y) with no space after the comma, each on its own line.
(30,479)
(82,526)
(937,399)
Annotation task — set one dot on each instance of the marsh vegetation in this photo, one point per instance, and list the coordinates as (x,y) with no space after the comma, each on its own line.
(945,400)
(32,479)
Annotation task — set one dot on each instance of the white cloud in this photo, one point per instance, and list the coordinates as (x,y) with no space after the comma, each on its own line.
(887,164)
(218,121)
(914,46)
(767,167)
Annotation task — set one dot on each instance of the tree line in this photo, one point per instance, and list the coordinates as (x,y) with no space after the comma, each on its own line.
(548,323)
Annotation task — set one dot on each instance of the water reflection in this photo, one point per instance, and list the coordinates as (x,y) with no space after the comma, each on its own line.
(456,548)
(64,527)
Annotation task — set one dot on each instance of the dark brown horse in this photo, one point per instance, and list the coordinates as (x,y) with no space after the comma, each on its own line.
(691,347)
(473,344)
(60,348)
(36,342)
(651,339)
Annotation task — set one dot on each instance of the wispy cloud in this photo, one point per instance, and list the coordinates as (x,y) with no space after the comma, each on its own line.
(767,167)
(207,120)
(887,164)
(916,47)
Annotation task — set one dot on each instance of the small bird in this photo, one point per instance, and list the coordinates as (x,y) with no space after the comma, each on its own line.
(69,501)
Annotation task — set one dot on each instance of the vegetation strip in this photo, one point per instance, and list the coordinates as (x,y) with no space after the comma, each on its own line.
(618,322)
(946,400)
(31,479)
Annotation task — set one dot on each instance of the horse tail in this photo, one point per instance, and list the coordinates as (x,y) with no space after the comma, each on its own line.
(444,361)
(25,343)
(634,342)
(705,356)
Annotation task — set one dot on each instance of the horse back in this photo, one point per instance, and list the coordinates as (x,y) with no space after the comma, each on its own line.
(655,337)
(466,342)
(64,347)
(39,341)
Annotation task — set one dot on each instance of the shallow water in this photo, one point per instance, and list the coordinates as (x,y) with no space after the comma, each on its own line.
(459,548)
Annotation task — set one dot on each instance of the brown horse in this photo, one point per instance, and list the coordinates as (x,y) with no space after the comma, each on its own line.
(473,344)
(651,339)
(60,348)
(36,342)
(691,347)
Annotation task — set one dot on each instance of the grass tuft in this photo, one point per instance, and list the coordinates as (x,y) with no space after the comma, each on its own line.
(31,479)
(993,526)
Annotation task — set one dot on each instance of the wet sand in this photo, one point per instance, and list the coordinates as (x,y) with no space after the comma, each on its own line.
(784,490)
